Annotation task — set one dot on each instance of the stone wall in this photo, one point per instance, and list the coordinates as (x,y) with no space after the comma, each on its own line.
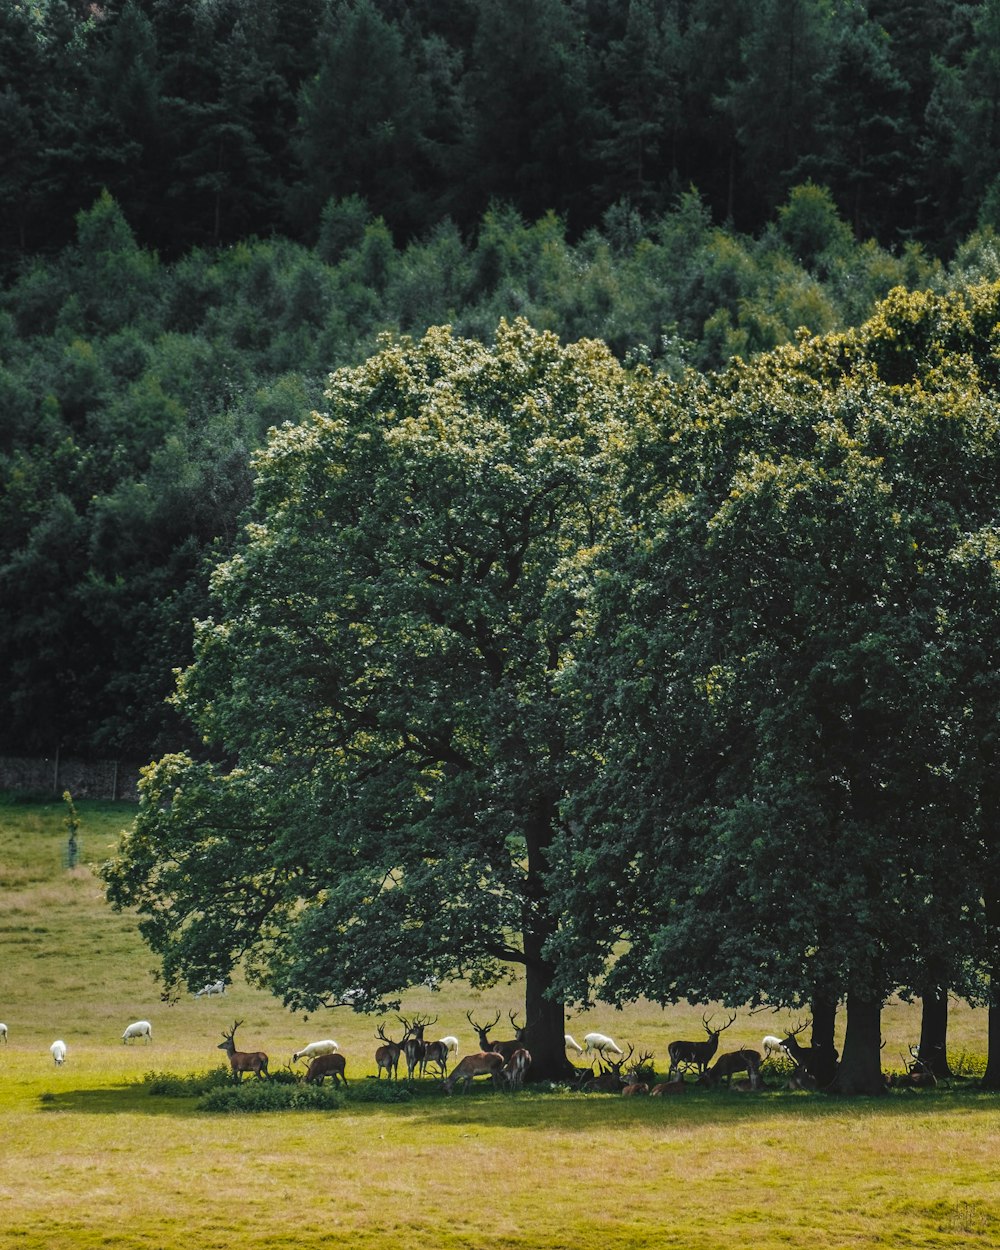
(84,779)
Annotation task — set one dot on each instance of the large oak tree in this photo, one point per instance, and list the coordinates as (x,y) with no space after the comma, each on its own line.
(378,689)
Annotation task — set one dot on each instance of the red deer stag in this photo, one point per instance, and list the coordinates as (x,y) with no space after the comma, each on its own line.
(918,1074)
(697,1054)
(326,1065)
(506,1049)
(817,1062)
(413,1041)
(241,1061)
(489,1063)
(609,1080)
(387,1055)
(747,1061)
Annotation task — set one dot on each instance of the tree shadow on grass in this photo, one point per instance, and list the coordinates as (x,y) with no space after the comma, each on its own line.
(558,1110)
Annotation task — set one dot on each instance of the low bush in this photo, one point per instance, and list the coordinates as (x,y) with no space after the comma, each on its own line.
(190,1085)
(272,1096)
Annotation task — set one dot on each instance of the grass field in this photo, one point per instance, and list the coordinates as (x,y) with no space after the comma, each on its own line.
(88,1158)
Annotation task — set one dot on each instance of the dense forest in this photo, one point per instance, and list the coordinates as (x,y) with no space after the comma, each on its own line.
(210,121)
(209,205)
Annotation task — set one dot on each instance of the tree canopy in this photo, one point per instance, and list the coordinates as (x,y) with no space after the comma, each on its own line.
(783,688)
(380,679)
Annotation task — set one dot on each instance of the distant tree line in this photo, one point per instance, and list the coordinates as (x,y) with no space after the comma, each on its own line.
(134,392)
(211,121)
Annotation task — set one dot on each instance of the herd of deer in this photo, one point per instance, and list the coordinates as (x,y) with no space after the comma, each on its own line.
(506,1063)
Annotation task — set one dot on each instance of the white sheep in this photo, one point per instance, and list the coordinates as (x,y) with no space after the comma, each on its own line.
(141,1028)
(3,1033)
(58,1052)
(212,987)
(601,1045)
(573,1044)
(327,1047)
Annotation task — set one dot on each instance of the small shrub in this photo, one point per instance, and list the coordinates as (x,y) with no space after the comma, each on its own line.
(190,1085)
(251,1096)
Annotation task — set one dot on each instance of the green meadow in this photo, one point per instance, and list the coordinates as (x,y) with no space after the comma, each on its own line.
(89,1157)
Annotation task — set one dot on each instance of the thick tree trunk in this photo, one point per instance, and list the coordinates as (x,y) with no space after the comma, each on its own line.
(991,1077)
(860,1070)
(824,1020)
(933,1048)
(545,1030)
(545,1020)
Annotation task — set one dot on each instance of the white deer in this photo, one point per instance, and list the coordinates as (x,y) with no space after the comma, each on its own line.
(327,1047)
(602,1045)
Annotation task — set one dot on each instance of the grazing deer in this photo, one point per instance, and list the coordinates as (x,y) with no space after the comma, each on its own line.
(331,1065)
(818,1062)
(241,1061)
(697,1054)
(736,1061)
(501,1048)
(609,1080)
(516,1067)
(489,1063)
(602,1044)
(387,1055)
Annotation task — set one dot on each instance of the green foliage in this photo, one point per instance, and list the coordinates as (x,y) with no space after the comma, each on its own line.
(188,1085)
(263,1096)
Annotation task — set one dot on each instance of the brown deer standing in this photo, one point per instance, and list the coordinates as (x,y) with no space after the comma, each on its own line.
(387,1056)
(413,1041)
(697,1054)
(241,1061)
(516,1067)
(817,1062)
(326,1065)
(500,1048)
(725,1066)
(489,1063)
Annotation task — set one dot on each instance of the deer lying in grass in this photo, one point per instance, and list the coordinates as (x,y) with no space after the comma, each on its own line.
(487,1063)
(609,1080)
(665,1088)
(637,1087)
(241,1061)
